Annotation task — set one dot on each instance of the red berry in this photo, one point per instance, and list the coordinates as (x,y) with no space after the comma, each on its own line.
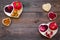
(43,28)
(17,5)
(53,26)
(9,9)
(52,15)
(48,35)
(51,33)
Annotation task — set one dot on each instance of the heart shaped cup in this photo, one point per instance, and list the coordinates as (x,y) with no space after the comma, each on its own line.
(46,7)
(48,30)
(10,14)
(6,21)
(52,15)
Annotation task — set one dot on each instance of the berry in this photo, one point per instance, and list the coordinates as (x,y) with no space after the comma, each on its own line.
(17,5)
(9,9)
(53,26)
(43,28)
(52,15)
(49,33)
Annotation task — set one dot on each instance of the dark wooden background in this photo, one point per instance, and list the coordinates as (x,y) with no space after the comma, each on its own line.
(26,27)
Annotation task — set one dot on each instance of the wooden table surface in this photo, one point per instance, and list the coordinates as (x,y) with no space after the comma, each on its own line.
(26,27)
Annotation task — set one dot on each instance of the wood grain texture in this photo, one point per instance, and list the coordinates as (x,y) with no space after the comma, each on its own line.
(26,27)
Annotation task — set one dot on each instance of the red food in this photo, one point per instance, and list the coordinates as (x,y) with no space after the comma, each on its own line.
(49,34)
(17,5)
(53,26)
(9,9)
(43,28)
(52,15)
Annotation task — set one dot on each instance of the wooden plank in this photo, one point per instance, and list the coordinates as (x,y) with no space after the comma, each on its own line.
(34,5)
(26,27)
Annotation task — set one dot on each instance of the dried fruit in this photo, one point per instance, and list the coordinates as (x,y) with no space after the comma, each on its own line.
(14,13)
(9,9)
(6,21)
(43,28)
(52,15)
(48,34)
